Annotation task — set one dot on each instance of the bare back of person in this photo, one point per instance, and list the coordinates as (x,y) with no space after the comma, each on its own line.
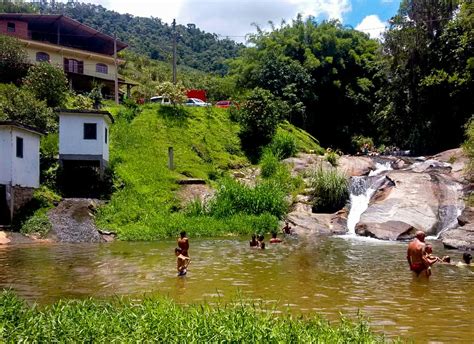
(416,253)
(183,244)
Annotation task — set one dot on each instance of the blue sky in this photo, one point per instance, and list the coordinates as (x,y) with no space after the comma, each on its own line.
(234,18)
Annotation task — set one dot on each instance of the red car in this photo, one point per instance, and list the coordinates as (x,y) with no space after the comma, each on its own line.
(226,103)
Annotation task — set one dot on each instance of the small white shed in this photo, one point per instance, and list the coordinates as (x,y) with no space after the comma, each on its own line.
(84,136)
(19,167)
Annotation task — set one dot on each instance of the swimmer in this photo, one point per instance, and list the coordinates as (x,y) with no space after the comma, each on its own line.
(466,259)
(182,261)
(274,239)
(261,244)
(253,243)
(183,243)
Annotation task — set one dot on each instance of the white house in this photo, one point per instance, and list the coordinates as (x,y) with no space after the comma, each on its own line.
(84,137)
(19,167)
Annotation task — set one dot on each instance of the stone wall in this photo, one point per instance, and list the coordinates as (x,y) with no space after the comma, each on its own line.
(20,197)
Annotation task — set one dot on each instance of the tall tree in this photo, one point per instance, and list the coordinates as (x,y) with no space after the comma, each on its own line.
(326,72)
(427,51)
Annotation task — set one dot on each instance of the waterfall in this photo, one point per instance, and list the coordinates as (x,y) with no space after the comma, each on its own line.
(361,190)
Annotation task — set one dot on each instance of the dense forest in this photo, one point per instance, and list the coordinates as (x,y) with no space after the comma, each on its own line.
(146,36)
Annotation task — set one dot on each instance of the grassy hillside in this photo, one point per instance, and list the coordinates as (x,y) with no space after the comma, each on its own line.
(206,145)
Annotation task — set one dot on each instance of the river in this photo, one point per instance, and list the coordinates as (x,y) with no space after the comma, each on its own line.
(324,275)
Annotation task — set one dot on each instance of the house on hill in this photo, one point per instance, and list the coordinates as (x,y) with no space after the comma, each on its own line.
(19,167)
(86,55)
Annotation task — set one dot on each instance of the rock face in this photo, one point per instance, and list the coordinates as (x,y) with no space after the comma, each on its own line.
(307,223)
(461,237)
(426,201)
(355,165)
(72,221)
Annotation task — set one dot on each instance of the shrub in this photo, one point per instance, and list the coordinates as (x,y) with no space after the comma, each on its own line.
(20,104)
(331,190)
(38,224)
(332,157)
(80,101)
(283,145)
(359,142)
(13,60)
(468,147)
(175,92)
(259,118)
(268,164)
(48,83)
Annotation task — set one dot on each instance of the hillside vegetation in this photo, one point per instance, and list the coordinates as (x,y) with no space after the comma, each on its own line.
(206,145)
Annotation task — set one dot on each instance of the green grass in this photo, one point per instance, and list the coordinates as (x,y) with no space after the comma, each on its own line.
(144,205)
(330,190)
(163,321)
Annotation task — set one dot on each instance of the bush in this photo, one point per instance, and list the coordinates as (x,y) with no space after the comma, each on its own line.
(468,148)
(331,190)
(332,157)
(360,143)
(13,60)
(283,145)
(259,118)
(37,224)
(48,83)
(268,164)
(20,104)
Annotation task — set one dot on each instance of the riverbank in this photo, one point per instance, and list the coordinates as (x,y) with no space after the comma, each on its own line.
(161,320)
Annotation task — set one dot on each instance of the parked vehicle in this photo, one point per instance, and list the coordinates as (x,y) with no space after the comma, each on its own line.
(226,104)
(196,102)
(160,100)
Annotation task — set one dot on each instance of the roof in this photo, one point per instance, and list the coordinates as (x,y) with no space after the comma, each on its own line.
(85,112)
(21,126)
(68,28)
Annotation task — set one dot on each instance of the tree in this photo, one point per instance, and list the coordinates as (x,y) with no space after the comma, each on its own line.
(13,60)
(428,95)
(259,117)
(175,92)
(48,83)
(327,73)
(20,104)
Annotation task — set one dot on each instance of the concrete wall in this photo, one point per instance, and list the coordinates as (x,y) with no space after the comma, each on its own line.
(57,55)
(5,155)
(71,135)
(19,171)
(26,170)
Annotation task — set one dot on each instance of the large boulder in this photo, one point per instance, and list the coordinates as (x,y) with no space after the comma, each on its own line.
(425,201)
(457,160)
(355,165)
(307,223)
(461,238)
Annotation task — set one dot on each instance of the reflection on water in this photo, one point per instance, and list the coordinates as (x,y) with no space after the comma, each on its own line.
(323,275)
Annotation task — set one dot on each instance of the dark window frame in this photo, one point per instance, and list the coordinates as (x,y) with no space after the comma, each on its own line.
(11,27)
(106,135)
(19,147)
(90,134)
(41,56)
(102,68)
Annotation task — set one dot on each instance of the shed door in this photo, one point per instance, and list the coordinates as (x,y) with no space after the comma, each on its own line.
(4,210)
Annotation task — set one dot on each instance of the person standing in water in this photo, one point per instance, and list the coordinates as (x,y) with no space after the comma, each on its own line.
(274,239)
(182,262)
(183,243)
(253,242)
(416,255)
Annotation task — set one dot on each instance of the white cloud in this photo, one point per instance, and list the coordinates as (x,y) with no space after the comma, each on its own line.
(229,17)
(372,25)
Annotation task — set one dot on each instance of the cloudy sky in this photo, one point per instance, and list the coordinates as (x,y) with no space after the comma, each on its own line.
(234,18)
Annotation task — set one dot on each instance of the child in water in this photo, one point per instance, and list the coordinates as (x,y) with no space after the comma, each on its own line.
(182,262)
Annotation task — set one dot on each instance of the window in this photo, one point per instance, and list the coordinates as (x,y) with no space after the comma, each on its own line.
(10,27)
(42,57)
(106,133)
(73,66)
(90,131)
(101,68)
(19,147)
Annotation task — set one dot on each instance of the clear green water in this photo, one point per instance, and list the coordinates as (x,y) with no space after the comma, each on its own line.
(319,275)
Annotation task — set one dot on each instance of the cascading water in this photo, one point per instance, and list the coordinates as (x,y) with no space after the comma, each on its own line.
(361,190)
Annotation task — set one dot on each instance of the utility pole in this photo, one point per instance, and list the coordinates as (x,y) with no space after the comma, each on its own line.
(116,70)
(174,51)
